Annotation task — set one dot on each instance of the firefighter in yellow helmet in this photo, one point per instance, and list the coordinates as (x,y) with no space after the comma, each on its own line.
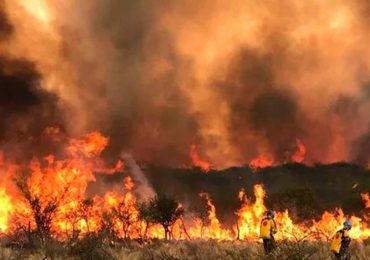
(341,241)
(267,231)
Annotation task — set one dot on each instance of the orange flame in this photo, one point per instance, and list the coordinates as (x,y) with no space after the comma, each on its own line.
(261,161)
(300,154)
(197,161)
(365,197)
(58,186)
(214,230)
(6,209)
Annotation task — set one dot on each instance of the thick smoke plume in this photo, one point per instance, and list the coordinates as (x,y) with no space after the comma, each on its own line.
(237,79)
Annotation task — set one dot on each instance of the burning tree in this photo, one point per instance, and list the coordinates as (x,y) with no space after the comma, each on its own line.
(52,203)
(85,211)
(162,210)
(42,209)
(126,213)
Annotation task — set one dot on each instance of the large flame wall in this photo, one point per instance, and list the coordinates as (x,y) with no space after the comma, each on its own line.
(58,183)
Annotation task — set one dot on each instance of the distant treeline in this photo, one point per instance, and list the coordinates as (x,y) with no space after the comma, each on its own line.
(306,191)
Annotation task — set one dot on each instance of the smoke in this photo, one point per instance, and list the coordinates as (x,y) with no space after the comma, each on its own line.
(26,109)
(5,26)
(237,80)
(143,188)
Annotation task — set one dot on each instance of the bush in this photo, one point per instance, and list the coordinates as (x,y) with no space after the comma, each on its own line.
(90,247)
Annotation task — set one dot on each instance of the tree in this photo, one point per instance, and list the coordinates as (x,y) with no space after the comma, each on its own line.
(201,215)
(126,213)
(86,211)
(43,209)
(162,210)
(145,216)
(107,227)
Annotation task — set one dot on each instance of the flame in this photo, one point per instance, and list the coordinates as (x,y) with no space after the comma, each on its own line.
(6,209)
(92,144)
(266,160)
(261,161)
(56,186)
(197,161)
(300,154)
(365,197)
(251,214)
(214,230)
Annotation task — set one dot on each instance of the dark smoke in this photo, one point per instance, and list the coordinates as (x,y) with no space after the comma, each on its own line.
(235,80)
(274,116)
(147,115)
(260,106)
(25,109)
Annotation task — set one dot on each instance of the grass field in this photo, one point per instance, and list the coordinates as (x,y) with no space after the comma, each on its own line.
(93,248)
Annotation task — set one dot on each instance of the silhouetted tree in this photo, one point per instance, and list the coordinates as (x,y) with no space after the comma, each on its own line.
(145,216)
(162,210)
(126,213)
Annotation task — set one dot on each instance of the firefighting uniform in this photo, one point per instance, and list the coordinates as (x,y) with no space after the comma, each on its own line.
(340,243)
(267,230)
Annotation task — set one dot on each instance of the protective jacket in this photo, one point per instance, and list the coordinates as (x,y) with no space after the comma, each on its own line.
(340,241)
(267,228)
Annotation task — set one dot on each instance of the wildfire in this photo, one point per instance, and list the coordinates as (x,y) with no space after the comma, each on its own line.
(300,154)
(266,160)
(261,161)
(365,197)
(197,161)
(251,214)
(55,188)
(6,208)
(214,230)
(91,145)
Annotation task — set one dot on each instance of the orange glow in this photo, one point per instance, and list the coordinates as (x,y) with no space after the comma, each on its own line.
(261,161)
(365,197)
(6,209)
(300,154)
(92,144)
(214,229)
(197,161)
(217,67)
(58,185)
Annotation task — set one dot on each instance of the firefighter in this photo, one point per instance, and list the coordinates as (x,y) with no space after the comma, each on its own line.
(341,241)
(267,231)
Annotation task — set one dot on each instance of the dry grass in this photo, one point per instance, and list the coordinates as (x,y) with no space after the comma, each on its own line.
(173,250)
